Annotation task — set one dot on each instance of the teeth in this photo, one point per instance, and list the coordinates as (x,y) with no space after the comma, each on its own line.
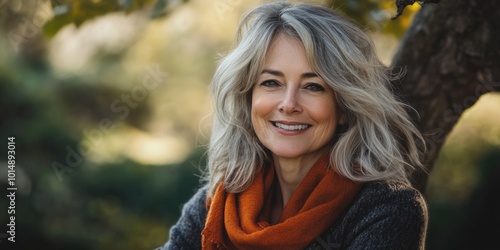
(291,127)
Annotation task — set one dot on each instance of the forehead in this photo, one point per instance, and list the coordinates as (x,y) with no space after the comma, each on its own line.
(287,52)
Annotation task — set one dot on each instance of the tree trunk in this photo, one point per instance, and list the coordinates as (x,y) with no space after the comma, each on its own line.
(451,53)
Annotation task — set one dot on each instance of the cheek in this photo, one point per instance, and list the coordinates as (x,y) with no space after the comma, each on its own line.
(325,112)
(261,106)
(258,110)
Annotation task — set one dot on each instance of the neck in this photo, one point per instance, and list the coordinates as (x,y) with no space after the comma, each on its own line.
(291,172)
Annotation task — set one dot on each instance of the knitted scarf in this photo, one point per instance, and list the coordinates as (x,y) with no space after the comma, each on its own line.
(242,220)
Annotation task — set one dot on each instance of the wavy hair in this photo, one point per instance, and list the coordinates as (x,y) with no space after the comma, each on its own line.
(379,141)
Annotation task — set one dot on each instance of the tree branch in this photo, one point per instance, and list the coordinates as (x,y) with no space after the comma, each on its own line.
(452,56)
(401,5)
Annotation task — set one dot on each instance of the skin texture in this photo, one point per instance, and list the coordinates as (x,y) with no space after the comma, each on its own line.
(289,92)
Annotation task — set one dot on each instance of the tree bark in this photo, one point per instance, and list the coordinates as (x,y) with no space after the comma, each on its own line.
(451,54)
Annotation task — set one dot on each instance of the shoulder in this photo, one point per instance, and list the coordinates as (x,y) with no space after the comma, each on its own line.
(390,195)
(186,233)
(383,216)
(390,204)
(195,209)
(197,203)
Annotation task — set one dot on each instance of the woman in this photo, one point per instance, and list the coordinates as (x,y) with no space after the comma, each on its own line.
(309,148)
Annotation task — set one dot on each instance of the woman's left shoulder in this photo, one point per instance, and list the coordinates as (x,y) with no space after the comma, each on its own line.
(395,201)
(391,194)
(385,215)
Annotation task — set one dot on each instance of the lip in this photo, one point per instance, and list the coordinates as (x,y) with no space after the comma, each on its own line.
(290,123)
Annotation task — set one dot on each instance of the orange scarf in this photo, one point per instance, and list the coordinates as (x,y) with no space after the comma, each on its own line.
(241,220)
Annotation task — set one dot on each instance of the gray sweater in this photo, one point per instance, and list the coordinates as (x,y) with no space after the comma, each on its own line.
(383,216)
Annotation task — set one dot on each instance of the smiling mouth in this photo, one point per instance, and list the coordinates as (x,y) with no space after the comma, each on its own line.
(291,127)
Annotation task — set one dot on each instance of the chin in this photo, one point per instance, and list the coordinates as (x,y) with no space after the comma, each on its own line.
(287,153)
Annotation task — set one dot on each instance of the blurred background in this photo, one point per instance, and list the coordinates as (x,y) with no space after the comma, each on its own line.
(108,104)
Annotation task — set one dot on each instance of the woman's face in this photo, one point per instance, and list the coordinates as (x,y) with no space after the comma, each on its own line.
(294,112)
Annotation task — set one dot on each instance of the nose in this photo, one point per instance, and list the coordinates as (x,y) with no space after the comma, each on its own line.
(290,102)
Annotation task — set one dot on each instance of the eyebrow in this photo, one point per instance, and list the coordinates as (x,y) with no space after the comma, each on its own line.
(279,73)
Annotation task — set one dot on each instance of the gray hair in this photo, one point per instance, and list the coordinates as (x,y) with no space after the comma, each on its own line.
(379,141)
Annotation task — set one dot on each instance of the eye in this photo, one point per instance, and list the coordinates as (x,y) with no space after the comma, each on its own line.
(315,87)
(270,83)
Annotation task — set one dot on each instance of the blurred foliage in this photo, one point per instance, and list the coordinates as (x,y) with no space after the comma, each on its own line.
(464,184)
(124,203)
(79,11)
(119,205)
(471,223)
(375,15)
